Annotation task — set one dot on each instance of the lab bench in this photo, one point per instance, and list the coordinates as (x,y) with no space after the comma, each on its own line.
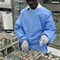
(55,46)
(56,43)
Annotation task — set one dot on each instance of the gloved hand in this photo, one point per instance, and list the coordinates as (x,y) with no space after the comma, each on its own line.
(43,40)
(24,45)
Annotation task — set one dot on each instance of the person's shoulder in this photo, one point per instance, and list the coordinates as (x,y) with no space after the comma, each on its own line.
(45,11)
(24,10)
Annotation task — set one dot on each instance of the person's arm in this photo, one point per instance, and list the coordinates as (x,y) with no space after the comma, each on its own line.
(49,28)
(19,31)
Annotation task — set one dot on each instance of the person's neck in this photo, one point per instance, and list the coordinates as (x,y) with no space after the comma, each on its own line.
(36,6)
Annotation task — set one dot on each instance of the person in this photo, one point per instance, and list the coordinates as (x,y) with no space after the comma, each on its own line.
(35,27)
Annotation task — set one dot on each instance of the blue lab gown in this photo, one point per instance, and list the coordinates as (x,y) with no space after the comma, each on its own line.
(32,24)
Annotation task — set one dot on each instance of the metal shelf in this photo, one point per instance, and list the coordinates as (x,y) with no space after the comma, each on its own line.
(9,45)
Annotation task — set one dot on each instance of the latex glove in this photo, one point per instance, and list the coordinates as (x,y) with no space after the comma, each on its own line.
(24,45)
(43,40)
